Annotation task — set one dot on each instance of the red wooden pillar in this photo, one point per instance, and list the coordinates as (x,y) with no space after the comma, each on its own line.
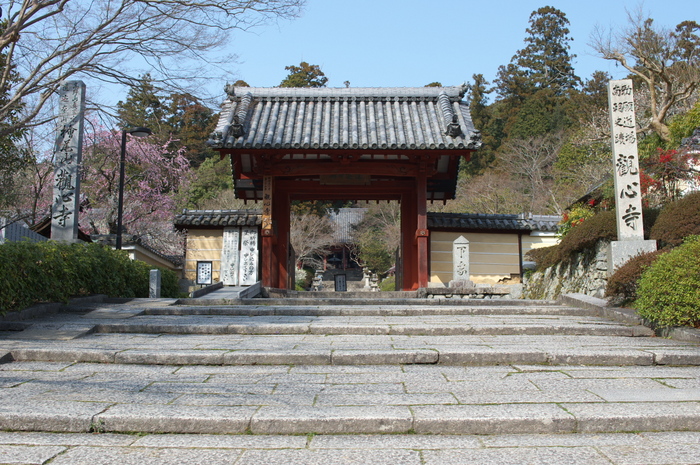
(268,265)
(409,216)
(281,213)
(422,233)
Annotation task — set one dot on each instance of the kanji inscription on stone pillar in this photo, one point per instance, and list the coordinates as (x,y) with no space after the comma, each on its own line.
(460,261)
(628,193)
(67,158)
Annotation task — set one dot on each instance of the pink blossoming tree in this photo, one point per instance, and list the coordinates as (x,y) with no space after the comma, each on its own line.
(154,175)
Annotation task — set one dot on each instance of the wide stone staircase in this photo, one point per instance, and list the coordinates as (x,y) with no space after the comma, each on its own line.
(343,366)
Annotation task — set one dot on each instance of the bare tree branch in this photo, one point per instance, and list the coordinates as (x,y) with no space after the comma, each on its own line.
(49,41)
(667,62)
(311,236)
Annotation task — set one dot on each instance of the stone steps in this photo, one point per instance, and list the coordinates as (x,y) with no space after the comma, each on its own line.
(534,368)
(342,326)
(368,310)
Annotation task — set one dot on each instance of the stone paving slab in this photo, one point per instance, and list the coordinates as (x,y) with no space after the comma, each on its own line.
(452,373)
(343,349)
(174,419)
(355,310)
(28,455)
(105,449)
(145,456)
(49,396)
(34,415)
(332,420)
(371,325)
(492,419)
(635,416)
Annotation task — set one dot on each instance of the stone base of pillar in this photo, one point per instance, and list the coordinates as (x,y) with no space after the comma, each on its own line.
(620,252)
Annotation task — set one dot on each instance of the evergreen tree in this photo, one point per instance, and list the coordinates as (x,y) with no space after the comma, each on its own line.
(179,119)
(143,107)
(482,119)
(546,58)
(190,123)
(534,87)
(304,75)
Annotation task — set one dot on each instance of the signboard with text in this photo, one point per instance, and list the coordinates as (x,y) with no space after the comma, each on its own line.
(628,193)
(67,158)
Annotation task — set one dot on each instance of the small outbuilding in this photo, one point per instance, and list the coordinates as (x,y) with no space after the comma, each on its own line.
(223,245)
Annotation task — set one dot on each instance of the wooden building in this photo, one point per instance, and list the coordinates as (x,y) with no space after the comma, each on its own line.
(290,144)
(498,244)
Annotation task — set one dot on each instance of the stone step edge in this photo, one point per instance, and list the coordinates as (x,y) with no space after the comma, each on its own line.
(542,418)
(269,329)
(243,310)
(629,316)
(363,301)
(356,357)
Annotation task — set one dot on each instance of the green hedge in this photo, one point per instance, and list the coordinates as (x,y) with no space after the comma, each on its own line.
(669,290)
(677,220)
(583,238)
(622,285)
(54,272)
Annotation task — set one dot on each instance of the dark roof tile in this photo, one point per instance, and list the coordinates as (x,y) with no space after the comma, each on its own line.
(346,118)
(217,218)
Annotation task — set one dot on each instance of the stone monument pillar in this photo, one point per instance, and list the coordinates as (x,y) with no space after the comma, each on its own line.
(460,263)
(67,157)
(628,193)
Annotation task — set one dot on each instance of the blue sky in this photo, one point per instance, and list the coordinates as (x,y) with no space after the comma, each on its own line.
(404,43)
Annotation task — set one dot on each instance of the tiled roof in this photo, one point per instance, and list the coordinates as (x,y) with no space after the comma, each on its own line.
(217,218)
(344,220)
(346,118)
(474,221)
(469,221)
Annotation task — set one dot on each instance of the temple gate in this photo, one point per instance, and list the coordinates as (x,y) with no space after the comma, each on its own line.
(290,144)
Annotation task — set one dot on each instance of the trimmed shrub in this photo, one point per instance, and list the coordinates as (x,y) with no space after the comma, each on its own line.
(54,272)
(669,290)
(544,257)
(586,235)
(580,238)
(583,237)
(678,220)
(622,285)
(388,284)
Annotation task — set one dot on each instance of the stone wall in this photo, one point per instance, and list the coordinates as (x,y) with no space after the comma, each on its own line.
(586,274)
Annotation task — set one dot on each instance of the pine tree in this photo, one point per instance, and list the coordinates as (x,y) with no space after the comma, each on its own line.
(482,119)
(304,75)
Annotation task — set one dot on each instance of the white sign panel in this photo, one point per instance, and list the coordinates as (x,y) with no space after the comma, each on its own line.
(248,273)
(229,257)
